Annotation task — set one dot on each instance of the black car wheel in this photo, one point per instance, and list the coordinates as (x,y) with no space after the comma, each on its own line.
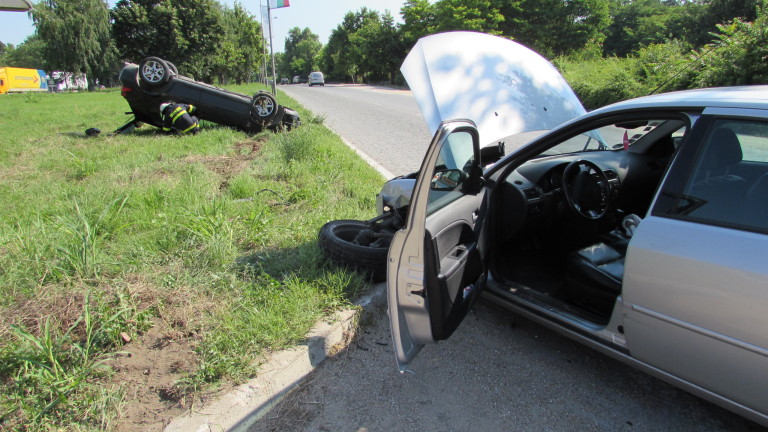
(263,106)
(351,243)
(154,71)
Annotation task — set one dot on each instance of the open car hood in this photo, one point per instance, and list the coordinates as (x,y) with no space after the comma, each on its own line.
(504,87)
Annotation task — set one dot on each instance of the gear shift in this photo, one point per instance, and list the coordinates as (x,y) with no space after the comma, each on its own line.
(629,224)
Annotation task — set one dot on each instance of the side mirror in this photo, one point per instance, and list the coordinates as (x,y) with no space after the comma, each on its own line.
(447,180)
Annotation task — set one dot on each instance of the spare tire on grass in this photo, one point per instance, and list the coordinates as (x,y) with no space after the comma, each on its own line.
(350,243)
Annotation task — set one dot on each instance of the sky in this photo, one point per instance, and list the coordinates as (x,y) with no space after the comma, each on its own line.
(321,17)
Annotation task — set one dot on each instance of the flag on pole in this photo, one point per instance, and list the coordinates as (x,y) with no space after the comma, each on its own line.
(274,4)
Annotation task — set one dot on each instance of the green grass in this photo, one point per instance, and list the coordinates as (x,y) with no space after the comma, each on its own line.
(213,233)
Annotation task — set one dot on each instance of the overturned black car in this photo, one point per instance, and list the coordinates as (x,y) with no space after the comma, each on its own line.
(155,81)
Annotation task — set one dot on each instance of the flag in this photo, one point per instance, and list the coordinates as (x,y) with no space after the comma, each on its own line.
(274,4)
(626,140)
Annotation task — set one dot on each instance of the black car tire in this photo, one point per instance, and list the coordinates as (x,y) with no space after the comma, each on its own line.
(336,242)
(263,106)
(172,67)
(154,71)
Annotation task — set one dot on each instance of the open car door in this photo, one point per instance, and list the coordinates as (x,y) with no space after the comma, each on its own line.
(435,265)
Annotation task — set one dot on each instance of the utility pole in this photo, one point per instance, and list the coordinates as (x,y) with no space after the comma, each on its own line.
(271,50)
(263,46)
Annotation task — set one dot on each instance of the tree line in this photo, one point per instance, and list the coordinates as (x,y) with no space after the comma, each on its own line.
(203,38)
(607,49)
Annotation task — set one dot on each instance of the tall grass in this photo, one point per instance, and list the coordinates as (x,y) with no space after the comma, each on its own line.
(215,233)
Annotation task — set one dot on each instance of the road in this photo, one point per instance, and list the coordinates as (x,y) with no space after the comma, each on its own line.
(495,373)
(383,123)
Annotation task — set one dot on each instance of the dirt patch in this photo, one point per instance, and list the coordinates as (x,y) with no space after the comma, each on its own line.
(228,166)
(56,304)
(149,369)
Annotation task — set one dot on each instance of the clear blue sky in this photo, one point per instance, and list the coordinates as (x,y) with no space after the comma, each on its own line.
(319,16)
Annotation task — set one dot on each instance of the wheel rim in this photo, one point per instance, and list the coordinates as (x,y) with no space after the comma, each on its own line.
(264,106)
(153,72)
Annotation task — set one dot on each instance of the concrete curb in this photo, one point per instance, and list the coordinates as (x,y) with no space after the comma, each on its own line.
(281,372)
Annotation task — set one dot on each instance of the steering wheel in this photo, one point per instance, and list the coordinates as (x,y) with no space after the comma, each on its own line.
(586,189)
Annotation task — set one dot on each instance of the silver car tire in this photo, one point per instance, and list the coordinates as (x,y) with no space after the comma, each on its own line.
(154,71)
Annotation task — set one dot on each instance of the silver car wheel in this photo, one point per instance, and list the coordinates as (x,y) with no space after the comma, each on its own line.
(264,106)
(153,72)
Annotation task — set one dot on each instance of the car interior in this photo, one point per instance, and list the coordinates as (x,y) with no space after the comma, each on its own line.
(560,241)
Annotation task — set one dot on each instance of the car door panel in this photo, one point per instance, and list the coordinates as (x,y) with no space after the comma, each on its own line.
(694,314)
(454,264)
(435,263)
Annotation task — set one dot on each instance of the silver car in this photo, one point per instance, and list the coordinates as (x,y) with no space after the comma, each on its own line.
(639,229)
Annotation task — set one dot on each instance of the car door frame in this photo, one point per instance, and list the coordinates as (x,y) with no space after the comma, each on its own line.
(414,269)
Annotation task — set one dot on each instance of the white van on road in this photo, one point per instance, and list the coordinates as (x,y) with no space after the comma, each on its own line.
(316,78)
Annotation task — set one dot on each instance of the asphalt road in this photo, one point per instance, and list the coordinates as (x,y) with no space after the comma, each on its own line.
(496,372)
(383,123)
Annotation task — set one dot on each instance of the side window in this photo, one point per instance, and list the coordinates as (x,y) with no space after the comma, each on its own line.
(728,183)
(452,169)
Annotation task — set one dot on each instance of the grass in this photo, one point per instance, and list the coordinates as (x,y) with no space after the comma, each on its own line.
(212,234)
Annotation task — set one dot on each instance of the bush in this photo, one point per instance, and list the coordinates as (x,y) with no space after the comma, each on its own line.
(601,82)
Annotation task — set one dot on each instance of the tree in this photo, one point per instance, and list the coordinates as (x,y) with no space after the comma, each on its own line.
(343,57)
(737,56)
(474,15)
(187,32)
(301,52)
(640,23)
(700,19)
(559,27)
(242,48)
(30,54)
(76,36)
(378,47)
(419,20)
(393,47)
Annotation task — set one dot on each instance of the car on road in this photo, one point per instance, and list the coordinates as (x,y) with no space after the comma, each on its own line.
(154,81)
(316,78)
(638,229)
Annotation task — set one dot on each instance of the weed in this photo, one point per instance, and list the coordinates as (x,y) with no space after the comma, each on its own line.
(297,146)
(80,255)
(54,370)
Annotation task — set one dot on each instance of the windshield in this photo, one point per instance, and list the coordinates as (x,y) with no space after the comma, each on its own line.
(611,137)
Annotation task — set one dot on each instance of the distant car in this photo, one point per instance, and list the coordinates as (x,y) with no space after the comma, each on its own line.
(295,79)
(639,229)
(316,78)
(303,79)
(284,80)
(154,81)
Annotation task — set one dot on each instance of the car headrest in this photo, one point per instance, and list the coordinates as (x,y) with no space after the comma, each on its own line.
(724,149)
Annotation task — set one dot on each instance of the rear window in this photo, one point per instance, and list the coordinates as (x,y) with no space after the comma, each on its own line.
(728,185)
